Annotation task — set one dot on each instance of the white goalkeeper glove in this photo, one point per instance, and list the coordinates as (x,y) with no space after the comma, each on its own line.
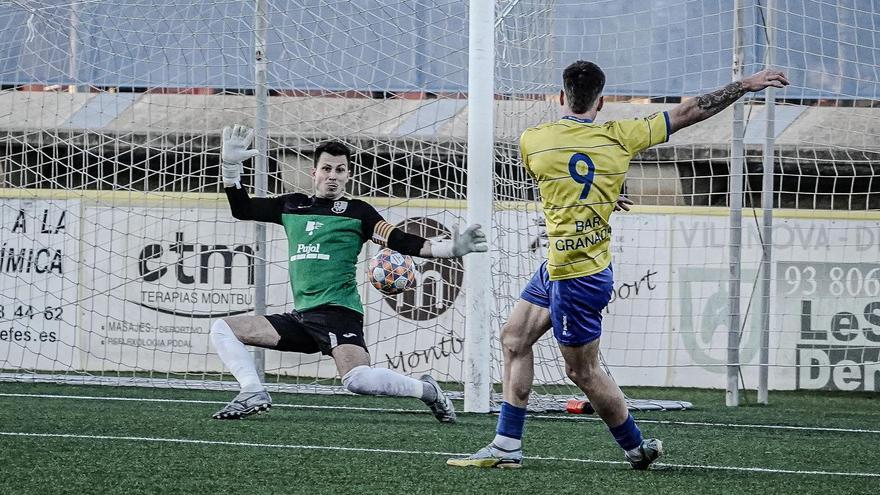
(472,240)
(236,141)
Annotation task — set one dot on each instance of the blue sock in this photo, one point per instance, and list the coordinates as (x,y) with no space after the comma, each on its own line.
(511,421)
(628,435)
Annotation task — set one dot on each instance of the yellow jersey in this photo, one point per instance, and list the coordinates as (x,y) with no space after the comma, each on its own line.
(580,168)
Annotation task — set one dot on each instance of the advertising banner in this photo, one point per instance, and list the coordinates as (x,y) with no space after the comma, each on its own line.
(101,289)
(158,280)
(39,272)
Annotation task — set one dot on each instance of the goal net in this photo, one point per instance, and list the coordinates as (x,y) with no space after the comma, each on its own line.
(118,250)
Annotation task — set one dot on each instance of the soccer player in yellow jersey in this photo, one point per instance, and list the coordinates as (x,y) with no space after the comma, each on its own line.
(580,167)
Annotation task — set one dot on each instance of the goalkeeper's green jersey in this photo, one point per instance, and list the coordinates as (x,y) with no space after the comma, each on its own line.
(324,239)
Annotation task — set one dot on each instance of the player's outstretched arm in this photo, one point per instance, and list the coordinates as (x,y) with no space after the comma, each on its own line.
(707,105)
(623,203)
(472,240)
(236,141)
(384,234)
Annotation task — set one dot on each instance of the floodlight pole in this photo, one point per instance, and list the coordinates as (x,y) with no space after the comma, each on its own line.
(261,169)
(480,166)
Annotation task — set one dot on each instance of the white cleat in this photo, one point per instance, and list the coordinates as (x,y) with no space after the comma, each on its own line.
(442,406)
(245,404)
(651,449)
(491,456)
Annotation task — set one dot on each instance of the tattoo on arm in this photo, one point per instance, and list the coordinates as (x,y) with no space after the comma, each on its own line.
(716,101)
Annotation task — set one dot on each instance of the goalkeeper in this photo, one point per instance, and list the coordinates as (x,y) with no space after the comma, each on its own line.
(325,233)
(580,168)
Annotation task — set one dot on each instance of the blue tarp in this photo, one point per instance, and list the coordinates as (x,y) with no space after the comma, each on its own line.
(647,47)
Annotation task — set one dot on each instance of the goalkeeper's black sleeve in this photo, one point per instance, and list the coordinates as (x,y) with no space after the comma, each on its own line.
(384,234)
(245,207)
(405,243)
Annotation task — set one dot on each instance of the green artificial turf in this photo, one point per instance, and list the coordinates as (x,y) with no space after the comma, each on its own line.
(301,449)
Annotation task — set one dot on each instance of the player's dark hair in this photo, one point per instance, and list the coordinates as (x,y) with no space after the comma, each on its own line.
(333,148)
(582,82)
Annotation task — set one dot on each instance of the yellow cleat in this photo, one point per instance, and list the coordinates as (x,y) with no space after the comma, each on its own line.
(490,457)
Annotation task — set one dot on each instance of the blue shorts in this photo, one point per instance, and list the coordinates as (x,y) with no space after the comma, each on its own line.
(575,304)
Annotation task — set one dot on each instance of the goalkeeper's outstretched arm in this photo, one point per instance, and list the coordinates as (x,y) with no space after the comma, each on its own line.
(245,207)
(383,233)
(707,105)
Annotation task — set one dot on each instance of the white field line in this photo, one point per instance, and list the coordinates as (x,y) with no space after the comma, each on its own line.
(420,452)
(380,409)
(213,402)
(715,425)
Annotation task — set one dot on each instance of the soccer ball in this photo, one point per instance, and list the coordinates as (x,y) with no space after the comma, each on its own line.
(391,272)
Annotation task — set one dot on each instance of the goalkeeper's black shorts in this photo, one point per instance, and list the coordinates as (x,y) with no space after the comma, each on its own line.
(318,329)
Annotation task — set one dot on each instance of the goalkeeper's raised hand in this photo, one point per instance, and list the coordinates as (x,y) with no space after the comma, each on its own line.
(236,141)
(472,240)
